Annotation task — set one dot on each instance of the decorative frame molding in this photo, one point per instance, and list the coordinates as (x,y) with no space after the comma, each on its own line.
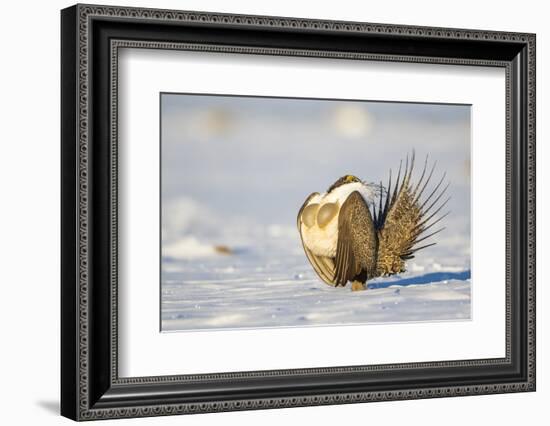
(91,37)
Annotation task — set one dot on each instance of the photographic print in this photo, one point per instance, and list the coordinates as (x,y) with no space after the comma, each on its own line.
(293,212)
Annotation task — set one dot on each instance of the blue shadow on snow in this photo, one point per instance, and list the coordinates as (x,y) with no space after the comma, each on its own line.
(423,279)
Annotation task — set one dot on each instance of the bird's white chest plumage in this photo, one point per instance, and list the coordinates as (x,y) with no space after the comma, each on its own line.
(322,240)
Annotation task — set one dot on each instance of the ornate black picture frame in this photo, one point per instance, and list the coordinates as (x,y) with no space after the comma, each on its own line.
(91,387)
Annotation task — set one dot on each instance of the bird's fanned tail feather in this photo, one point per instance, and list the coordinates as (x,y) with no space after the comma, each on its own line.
(404,216)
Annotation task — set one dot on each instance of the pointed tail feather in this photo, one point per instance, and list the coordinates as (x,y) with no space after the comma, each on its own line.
(404,216)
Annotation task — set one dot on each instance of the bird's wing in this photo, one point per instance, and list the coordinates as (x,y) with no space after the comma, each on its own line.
(357,241)
(323,266)
(404,216)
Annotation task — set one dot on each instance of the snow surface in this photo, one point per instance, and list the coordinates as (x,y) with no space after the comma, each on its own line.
(271,284)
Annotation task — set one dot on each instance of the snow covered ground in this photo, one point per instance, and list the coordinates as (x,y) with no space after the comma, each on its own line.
(273,285)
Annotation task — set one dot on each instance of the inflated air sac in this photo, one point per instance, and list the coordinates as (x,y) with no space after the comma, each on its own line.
(326,214)
(309,214)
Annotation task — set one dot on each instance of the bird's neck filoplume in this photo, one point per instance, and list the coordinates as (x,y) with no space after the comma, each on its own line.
(341,193)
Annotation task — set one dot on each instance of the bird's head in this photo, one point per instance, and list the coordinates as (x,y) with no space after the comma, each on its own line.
(344,180)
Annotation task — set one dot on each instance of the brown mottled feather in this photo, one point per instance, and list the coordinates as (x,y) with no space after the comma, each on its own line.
(402,219)
(357,242)
(323,266)
(398,233)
